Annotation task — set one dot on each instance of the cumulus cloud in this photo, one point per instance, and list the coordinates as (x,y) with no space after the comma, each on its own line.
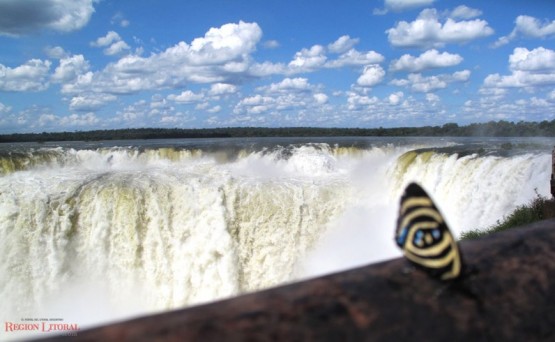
(537,60)
(112,42)
(4,108)
(355,58)
(427,31)
(120,20)
(31,76)
(255,104)
(428,60)
(289,94)
(116,48)
(218,89)
(395,98)
(186,97)
(271,44)
(267,69)
(342,44)
(19,17)
(320,98)
(49,120)
(465,12)
(56,52)
(88,119)
(432,98)
(356,101)
(426,84)
(70,68)
(528,27)
(402,5)
(287,85)
(225,43)
(529,68)
(315,58)
(371,76)
(221,56)
(308,60)
(90,102)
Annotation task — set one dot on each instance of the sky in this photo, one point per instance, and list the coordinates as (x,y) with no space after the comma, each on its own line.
(78,65)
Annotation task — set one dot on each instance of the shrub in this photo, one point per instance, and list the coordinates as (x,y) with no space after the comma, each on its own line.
(538,209)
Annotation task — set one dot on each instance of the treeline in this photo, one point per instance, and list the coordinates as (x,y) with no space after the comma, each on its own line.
(490,129)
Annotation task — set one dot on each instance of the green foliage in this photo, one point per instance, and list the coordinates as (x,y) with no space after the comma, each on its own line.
(537,210)
(490,129)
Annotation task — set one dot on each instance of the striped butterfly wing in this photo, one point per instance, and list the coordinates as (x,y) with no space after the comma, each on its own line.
(424,236)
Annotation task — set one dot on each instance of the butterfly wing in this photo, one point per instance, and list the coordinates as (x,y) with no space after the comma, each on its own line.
(424,236)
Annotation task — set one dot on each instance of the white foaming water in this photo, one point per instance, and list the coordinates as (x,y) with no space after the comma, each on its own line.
(95,235)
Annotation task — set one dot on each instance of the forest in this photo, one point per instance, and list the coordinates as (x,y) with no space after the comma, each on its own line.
(487,129)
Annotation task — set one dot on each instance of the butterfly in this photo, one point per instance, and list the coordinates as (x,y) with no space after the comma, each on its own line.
(424,237)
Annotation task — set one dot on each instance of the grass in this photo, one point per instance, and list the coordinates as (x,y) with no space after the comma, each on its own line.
(538,209)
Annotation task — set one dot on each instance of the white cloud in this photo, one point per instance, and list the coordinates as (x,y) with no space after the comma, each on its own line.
(427,31)
(371,76)
(88,119)
(215,109)
(90,102)
(31,76)
(116,48)
(358,101)
(113,43)
(271,44)
(224,44)
(395,98)
(530,68)
(74,120)
(427,60)
(255,104)
(5,109)
(401,5)
(519,79)
(426,84)
(461,76)
(321,98)
(315,58)
(342,44)
(186,97)
(266,69)
(119,19)
(70,68)
(56,52)
(221,56)
(465,12)
(308,60)
(355,58)
(289,95)
(537,60)
(421,84)
(19,17)
(432,98)
(287,85)
(108,39)
(218,89)
(528,27)
(154,113)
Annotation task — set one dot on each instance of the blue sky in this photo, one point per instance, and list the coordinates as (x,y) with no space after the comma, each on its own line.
(87,64)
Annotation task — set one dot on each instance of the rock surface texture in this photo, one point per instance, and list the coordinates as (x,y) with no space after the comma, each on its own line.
(507,293)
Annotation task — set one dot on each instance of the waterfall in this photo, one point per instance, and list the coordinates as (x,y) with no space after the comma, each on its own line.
(101,233)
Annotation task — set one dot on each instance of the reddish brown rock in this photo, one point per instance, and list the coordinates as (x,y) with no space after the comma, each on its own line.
(507,293)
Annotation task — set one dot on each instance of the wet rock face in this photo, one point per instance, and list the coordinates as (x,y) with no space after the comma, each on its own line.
(507,292)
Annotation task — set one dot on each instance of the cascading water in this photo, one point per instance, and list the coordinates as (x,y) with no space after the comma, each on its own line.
(99,233)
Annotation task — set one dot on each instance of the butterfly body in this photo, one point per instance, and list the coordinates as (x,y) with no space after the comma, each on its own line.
(424,237)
